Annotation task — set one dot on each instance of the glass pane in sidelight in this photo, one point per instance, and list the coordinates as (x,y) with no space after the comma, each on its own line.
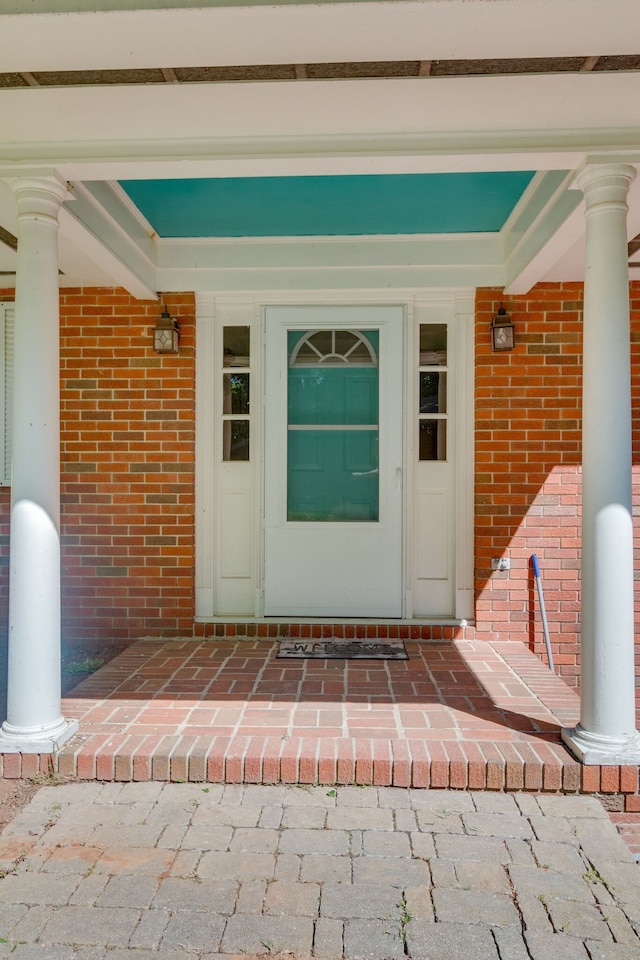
(235,440)
(433,392)
(433,344)
(433,440)
(236,344)
(235,388)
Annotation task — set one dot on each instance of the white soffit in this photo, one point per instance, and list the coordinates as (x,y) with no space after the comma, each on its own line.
(314,33)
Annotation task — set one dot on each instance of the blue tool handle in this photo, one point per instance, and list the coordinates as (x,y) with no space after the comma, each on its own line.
(536,568)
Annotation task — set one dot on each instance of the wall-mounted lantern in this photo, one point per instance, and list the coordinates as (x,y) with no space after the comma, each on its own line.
(166,333)
(502,331)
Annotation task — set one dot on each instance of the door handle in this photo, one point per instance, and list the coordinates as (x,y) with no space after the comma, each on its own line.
(398,478)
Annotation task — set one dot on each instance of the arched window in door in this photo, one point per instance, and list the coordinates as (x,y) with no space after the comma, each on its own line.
(333,347)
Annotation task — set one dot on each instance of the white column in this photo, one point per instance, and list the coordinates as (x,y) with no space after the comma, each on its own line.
(34,721)
(606,733)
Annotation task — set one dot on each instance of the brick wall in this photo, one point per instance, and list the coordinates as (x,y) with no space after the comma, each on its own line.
(528,430)
(127,435)
(127,452)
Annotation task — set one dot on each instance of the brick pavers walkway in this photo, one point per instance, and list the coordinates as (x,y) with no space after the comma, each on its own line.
(141,870)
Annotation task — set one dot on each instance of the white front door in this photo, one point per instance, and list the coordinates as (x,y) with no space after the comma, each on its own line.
(333,461)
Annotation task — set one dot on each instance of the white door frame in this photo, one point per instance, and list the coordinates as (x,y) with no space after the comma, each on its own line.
(213,309)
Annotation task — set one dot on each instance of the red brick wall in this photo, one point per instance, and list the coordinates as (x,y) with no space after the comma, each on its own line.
(127,435)
(127,452)
(528,427)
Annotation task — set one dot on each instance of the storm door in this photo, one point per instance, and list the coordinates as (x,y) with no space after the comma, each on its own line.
(333,461)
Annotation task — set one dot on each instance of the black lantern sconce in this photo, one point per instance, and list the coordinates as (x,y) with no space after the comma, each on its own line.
(502,331)
(166,333)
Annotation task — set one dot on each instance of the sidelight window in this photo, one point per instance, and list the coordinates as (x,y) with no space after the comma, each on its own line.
(432,389)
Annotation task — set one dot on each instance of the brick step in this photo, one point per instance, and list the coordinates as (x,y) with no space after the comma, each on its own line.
(481,765)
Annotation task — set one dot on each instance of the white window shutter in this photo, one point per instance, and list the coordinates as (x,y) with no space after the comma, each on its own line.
(7,314)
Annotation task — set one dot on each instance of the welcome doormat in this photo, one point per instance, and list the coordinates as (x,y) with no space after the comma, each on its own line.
(335,649)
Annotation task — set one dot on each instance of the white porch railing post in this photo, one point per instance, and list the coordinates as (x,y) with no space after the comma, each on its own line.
(606,733)
(34,721)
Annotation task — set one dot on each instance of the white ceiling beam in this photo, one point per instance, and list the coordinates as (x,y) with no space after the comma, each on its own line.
(340,263)
(569,265)
(347,278)
(103,257)
(544,248)
(395,159)
(266,253)
(82,258)
(315,33)
(445,118)
(111,238)
(554,248)
(541,231)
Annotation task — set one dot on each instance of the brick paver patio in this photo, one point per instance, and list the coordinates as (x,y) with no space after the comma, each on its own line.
(462,714)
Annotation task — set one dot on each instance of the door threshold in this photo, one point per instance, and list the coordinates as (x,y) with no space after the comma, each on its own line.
(415,622)
(262,628)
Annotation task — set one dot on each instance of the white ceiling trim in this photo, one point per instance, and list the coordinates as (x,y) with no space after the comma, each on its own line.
(316,33)
(332,278)
(266,253)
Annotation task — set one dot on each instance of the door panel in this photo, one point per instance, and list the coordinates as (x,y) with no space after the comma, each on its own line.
(333,461)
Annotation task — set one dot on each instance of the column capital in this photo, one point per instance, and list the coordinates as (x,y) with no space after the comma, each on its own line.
(38,196)
(605,182)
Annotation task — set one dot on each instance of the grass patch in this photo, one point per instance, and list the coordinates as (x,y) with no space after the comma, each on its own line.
(84,667)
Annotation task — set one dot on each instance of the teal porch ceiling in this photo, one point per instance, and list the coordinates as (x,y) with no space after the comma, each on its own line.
(448,203)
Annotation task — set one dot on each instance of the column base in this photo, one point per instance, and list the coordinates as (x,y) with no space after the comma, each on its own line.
(593,750)
(21,740)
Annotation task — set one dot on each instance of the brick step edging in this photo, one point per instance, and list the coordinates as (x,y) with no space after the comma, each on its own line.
(482,765)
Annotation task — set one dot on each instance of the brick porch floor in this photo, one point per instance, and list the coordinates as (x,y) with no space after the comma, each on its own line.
(462,714)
